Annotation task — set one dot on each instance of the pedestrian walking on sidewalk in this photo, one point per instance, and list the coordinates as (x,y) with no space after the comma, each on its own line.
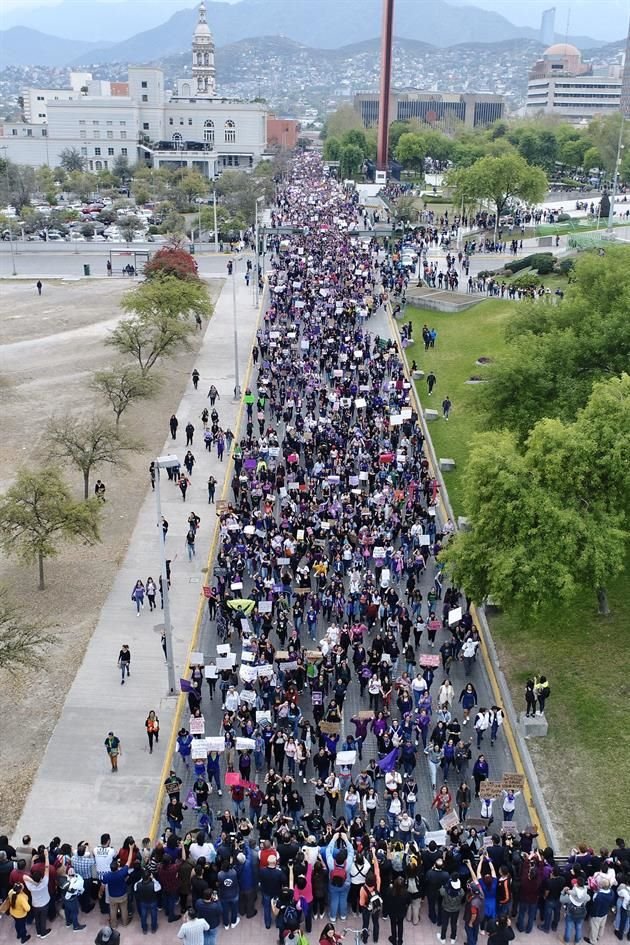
(113,749)
(183,484)
(213,394)
(189,462)
(195,378)
(137,595)
(173,424)
(431,381)
(124,661)
(39,286)
(152,726)
(190,543)
(212,485)
(151,591)
(152,474)
(190,432)
(446,407)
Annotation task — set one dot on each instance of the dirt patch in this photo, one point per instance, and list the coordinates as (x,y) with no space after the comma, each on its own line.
(483,361)
(49,349)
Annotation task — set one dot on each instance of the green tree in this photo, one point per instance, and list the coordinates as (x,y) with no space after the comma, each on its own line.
(87,230)
(21,643)
(129,224)
(37,513)
(351,160)
(17,184)
(70,159)
(332,149)
(87,443)
(160,322)
(81,183)
(122,385)
(343,120)
(557,352)
(603,131)
(411,151)
(538,534)
(120,168)
(498,180)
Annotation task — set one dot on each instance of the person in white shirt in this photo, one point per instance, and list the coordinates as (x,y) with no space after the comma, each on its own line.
(104,853)
(202,847)
(192,929)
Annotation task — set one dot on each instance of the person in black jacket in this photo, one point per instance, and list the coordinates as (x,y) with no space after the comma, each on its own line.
(209,908)
(398,899)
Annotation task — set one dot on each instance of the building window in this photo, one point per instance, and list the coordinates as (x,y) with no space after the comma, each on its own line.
(109,122)
(41,115)
(14,131)
(91,165)
(170,121)
(181,121)
(145,126)
(98,165)
(123,151)
(44,133)
(208,131)
(81,121)
(29,132)
(145,98)
(110,134)
(123,134)
(95,121)
(96,134)
(83,134)
(122,124)
(144,85)
(40,98)
(83,152)
(177,140)
(110,151)
(230,132)
(97,152)
(190,121)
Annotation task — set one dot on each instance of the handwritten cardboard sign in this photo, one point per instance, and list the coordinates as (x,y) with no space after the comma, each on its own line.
(330,728)
(490,789)
(512,781)
(197,726)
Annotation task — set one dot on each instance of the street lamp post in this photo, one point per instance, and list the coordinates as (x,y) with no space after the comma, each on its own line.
(237,383)
(165,462)
(256,291)
(6,172)
(216,231)
(615,182)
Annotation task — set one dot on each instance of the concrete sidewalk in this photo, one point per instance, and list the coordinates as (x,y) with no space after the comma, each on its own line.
(75,794)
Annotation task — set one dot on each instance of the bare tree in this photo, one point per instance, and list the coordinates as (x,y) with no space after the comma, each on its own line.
(21,643)
(123,384)
(88,443)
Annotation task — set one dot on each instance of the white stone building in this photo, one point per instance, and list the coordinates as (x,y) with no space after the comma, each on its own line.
(190,126)
(561,84)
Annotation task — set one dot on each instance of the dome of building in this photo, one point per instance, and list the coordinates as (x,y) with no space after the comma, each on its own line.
(562,49)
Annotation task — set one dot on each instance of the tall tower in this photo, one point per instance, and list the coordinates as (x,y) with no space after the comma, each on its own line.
(203,57)
(547,24)
(386,79)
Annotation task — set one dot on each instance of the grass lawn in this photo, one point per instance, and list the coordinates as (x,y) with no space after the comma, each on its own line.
(584,762)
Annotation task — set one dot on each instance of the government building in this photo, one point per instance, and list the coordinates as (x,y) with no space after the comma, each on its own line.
(473,110)
(189,126)
(561,84)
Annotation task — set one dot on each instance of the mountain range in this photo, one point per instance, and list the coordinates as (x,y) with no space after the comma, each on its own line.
(327,24)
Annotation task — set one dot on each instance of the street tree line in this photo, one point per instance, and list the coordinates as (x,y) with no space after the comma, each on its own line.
(547,486)
(38,512)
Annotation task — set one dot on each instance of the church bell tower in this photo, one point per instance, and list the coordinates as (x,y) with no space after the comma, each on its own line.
(203,57)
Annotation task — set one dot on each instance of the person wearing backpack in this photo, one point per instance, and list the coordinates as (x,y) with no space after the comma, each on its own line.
(370,901)
(360,868)
(452,896)
(339,859)
(474,908)
(574,900)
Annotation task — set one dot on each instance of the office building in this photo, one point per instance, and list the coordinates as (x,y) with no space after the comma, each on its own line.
(561,84)
(439,109)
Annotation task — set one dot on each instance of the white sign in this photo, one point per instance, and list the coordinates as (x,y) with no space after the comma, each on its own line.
(245,744)
(198,749)
(210,672)
(215,743)
(196,658)
(264,607)
(197,726)
(454,616)
(226,662)
(346,758)
(223,649)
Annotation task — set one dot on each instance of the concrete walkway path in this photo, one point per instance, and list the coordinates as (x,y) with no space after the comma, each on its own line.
(75,794)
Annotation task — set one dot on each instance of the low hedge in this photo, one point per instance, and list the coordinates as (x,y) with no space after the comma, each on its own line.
(535,261)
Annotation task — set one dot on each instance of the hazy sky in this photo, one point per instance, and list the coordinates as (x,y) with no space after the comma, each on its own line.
(601,19)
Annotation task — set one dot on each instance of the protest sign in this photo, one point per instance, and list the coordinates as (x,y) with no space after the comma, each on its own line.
(210,672)
(232,778)
(263,716)
(196,658)
(245,744)
(454,616)
(265,607)
(346,758)
(490,790)
(512,781)
(248,695)
(223,649)
(429,660)
(449,820)
(226,662)
(330,728)
(198,749)
(197,726)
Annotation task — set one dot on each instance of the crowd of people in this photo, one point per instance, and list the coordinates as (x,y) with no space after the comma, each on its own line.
(344,771)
